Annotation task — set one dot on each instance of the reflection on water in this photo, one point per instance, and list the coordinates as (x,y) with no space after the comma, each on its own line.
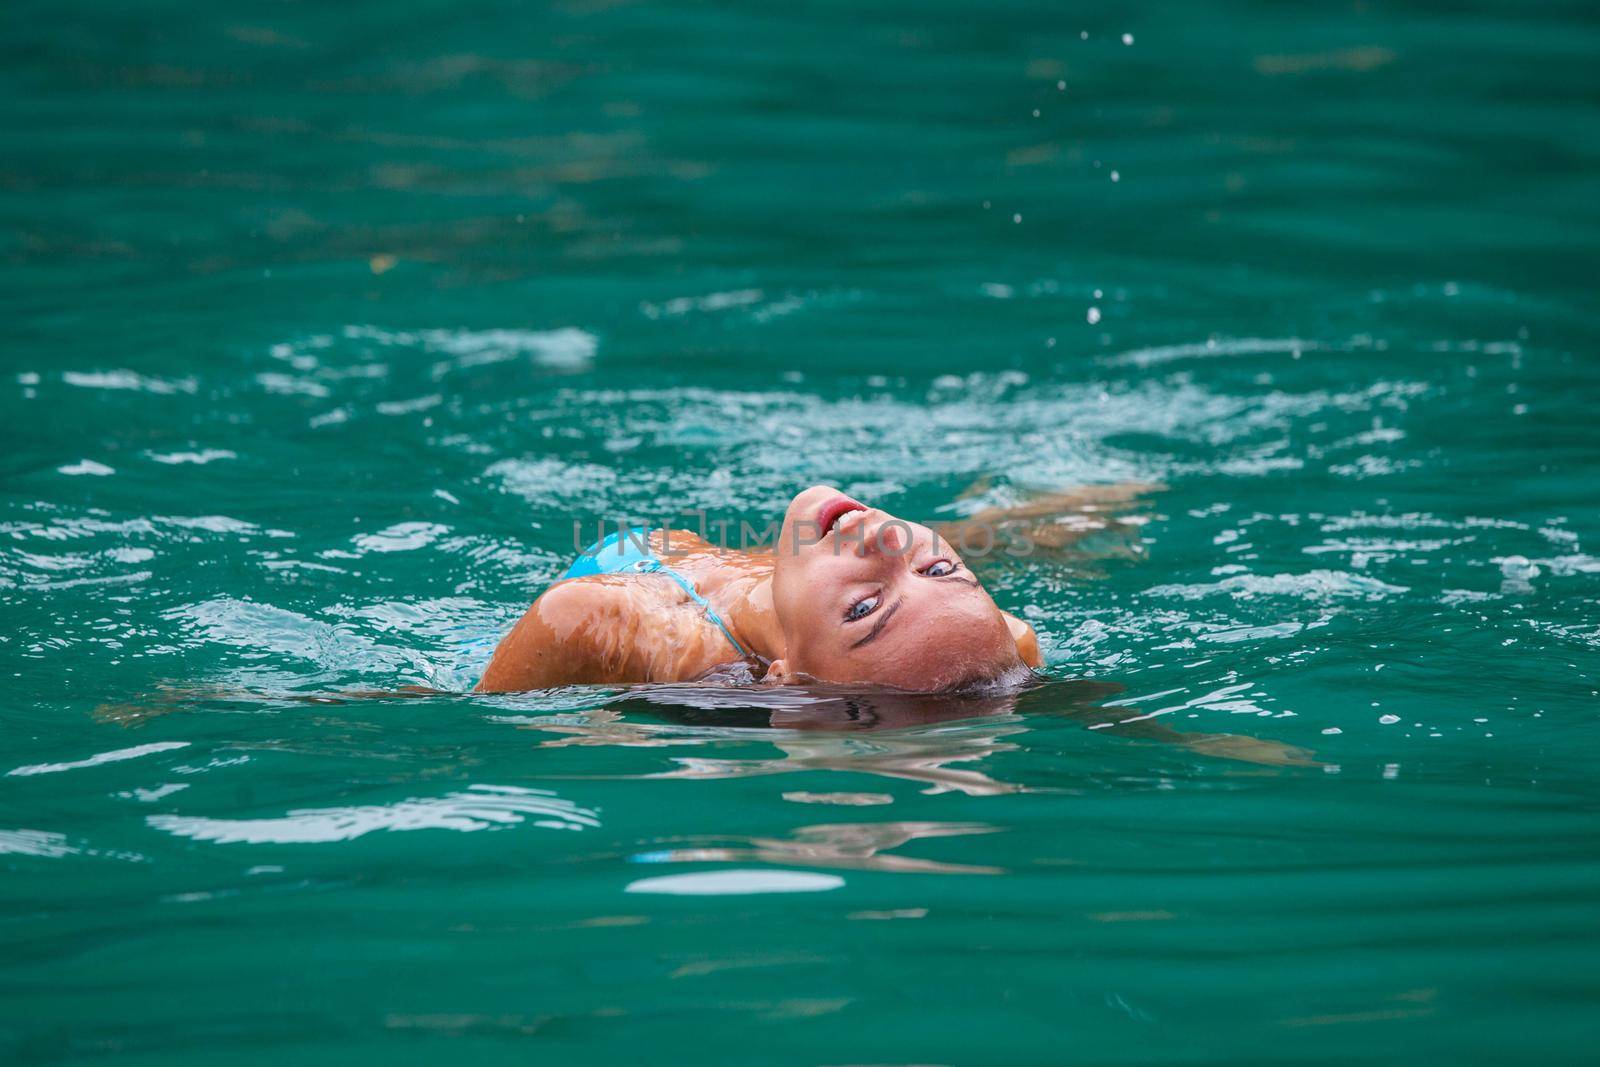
(859,845)
(946,742)
(816,729)
(929,738)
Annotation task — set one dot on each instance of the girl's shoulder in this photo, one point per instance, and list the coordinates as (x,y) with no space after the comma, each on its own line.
(607,628)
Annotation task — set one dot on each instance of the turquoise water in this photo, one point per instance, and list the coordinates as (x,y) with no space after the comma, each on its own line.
(322,327)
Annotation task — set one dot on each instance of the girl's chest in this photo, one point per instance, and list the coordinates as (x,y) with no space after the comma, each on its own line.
(671,637)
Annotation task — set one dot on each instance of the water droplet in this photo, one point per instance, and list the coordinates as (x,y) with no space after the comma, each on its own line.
(1330,731)
(1093,316)
(1127,38)
(1017,217)
(1115,176)
(1061,86)
(1388,720)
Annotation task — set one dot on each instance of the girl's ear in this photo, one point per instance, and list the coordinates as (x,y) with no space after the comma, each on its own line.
(778,673)
(1027,641)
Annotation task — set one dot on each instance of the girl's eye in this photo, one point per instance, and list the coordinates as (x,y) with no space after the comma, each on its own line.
(862,608)
(939,568)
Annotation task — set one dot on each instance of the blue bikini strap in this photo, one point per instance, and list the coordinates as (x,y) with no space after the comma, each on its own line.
(655,566)
(628,551)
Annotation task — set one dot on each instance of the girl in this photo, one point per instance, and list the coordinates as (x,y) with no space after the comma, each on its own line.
(847,593)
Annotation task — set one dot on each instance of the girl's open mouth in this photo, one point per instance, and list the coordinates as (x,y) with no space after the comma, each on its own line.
(833,510)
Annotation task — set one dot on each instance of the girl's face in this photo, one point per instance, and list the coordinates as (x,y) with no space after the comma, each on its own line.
(865,597)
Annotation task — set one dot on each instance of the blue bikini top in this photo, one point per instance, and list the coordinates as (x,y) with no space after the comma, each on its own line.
(629,552)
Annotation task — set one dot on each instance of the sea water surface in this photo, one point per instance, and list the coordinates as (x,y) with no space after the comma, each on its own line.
(323,324)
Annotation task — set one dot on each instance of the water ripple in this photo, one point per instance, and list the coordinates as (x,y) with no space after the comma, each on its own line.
(96,760)
(479,807)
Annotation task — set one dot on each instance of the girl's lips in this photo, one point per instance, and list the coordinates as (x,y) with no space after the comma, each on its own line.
(831,512)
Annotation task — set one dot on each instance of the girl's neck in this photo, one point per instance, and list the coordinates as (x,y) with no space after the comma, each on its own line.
(753,618)
(738,584)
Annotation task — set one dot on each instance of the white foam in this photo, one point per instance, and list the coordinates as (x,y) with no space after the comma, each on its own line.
(209,455)
(1313,585)
(682,305)
(86,466)
(35,843)
(401,537)
(567,347)
(1236,346)
(737,883)
(127,379)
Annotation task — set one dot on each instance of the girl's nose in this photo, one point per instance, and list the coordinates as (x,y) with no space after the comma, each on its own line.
(879,533)
(889,537)
(858,531)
